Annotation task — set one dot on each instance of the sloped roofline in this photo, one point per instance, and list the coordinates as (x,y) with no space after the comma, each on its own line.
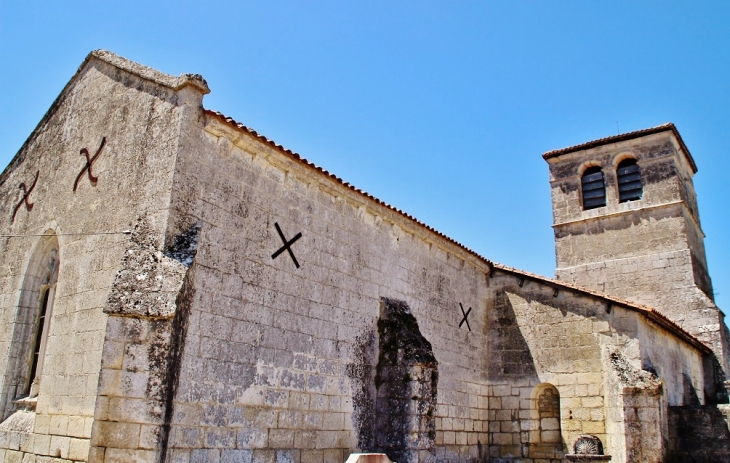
(199,83)
(627,136)
(300,159)
(644,310)
(648,312)
(124,64)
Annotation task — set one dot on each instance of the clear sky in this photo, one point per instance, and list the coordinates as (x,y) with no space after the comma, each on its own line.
(442,109)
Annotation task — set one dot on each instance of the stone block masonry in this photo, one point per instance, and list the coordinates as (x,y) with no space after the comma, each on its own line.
(138,123)
(262,310)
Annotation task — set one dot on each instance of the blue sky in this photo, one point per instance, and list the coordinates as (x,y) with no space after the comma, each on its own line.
(442,109)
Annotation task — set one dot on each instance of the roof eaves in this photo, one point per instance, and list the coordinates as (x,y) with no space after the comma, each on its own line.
(297,157)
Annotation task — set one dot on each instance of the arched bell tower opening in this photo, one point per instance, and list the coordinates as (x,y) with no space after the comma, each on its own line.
(31,326)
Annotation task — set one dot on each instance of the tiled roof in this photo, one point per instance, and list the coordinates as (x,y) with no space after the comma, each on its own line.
(648,312)
(623,137)
(644,310)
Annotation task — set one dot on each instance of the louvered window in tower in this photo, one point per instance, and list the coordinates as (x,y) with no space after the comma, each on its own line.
(594,190)
(629,181)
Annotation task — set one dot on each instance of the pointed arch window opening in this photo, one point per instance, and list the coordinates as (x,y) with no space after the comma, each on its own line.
(593,188)
(630,187)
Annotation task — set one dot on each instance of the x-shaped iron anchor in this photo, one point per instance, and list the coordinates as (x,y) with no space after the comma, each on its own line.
(465,314)
(26,194)
(89,163)
(287,245)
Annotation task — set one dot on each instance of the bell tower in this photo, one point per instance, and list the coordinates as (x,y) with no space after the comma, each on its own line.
(626,223)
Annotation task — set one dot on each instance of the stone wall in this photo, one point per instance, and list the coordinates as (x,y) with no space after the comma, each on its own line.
(129,125)
(698,434)
(272,342)
(544,335)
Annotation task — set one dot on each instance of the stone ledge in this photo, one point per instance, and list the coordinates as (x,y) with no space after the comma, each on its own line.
(368,458)
(587,458)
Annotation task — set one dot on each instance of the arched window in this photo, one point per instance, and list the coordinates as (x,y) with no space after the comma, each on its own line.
(545,437)
(31,326)
(629,180)
(594,190)
(548,408)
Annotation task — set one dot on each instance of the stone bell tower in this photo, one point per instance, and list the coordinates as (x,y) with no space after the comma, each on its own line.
(626,223)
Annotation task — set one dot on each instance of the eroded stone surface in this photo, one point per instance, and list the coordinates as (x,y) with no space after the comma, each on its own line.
(150,279)
(186,341)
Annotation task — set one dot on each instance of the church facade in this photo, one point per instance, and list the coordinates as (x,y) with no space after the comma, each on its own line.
(175,287)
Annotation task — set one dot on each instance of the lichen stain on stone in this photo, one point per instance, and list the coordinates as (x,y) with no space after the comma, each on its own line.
(395,399)
(149,281)
(184,246)
(158,351)
(633,377)
(362,377)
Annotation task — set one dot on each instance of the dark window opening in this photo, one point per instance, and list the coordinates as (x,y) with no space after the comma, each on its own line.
(39,337)
(629,181)
(594,190)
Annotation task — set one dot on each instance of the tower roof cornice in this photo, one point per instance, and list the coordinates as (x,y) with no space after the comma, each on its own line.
(668,127)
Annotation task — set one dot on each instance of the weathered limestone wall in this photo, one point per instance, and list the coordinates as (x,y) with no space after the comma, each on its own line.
(637,257)
(566,340)
(698,434)
(262,310)
(136,120)
(636,411)
(677,364)
(538,342)
(148,305)
(274,353)
(650,250)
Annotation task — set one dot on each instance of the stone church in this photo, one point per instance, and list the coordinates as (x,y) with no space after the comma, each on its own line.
(175,287)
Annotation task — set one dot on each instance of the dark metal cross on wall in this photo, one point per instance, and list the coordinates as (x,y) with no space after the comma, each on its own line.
(89,163)
(287,245)
(26,194)
(466,315)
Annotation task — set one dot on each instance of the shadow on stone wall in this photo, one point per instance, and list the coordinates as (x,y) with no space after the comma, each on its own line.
(511,363)
(698,434)
(510,356)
